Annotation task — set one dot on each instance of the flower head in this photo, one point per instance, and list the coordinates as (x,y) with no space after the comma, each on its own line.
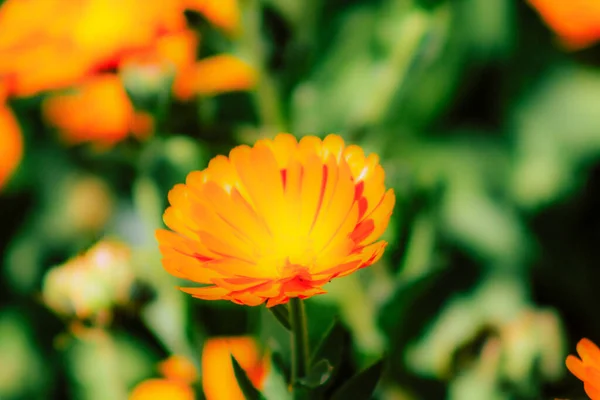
(179,374)
(276,221)
(101,98)
(577,22)
(218,377)
(587,368)
(92,282)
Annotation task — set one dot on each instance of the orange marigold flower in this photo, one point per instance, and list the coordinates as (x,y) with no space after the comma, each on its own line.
(587,368)
(276,221)
(11,143)
(97,111)
(76,41)
(218,377)
(577,22)
(162,389)
(178,368)
(213,75)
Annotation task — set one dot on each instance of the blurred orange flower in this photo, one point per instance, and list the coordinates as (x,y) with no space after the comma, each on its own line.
(98,111)
(218,377)
(11,143)
(178,368)
(577,22)
(179,374)
(162,389)
(76,40)
(587,368)
(77,43)
(277,220)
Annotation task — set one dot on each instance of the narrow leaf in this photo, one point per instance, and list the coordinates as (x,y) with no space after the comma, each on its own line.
(362,385)
(249,391)
(332,345)
(318,375)
(282,314)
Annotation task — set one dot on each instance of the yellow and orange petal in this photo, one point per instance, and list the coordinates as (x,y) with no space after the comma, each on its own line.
(161,389)
(11,143)
(576,22)
(218,377)
(276,221)
(587,367)
(178,368)
(98,111)
(214,75)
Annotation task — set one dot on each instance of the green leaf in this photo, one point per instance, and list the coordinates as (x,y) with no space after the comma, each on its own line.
(275,386)
(360,386)
(282,314)
(318,375)
(331,347)
(249,391)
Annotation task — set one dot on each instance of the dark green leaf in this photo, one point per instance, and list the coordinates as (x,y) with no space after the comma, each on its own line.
(318,375)
(331,347)
(282,314)
(249,391)
(360,386)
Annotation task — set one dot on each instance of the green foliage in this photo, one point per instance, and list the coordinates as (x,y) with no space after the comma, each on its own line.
(489,134)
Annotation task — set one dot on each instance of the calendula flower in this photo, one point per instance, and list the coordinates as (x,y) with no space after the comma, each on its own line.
(218,378)
(178,368)
(577,22)
(276,221)
(162,389)
(77,40)
(587,367)
(179,373)
(90,283)
(97,111)
(11,143)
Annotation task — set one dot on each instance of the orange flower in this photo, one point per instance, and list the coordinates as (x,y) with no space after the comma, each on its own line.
(178,368)
(276,221)
(162,389)
(213,75)
(179,374)
(577,22)
(76,40)
(218,378)
(11,143)
(98,111)
(587,368)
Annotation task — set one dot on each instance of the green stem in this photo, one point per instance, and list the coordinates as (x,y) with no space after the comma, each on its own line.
(300,353)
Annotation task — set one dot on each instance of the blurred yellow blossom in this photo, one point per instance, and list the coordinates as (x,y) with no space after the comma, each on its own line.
(90,283)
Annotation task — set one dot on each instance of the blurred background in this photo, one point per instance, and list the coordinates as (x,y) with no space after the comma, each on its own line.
(486,116)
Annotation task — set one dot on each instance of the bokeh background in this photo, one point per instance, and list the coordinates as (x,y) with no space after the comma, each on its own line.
(486,116)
